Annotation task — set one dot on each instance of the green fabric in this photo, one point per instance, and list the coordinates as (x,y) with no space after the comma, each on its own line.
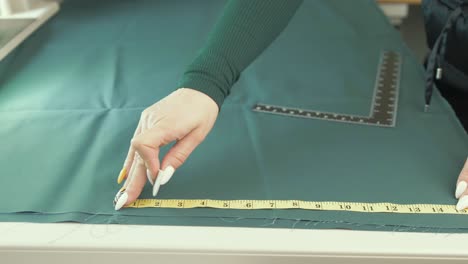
(242,33)
(71,96)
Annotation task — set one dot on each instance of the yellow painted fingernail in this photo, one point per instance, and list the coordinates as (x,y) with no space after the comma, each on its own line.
(122,175)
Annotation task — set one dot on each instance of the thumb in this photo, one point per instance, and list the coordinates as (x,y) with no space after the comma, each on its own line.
(179,153)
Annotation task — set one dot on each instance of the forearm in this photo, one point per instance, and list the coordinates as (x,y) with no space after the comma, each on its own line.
(244,31)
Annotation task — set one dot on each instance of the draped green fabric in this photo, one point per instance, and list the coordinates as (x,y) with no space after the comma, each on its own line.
(72,94)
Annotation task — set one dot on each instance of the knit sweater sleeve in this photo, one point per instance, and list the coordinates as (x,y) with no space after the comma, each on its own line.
(245,29)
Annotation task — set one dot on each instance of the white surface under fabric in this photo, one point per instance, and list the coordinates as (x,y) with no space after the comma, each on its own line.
(80,243)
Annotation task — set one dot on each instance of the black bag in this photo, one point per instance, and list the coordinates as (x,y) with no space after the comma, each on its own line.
(446,23)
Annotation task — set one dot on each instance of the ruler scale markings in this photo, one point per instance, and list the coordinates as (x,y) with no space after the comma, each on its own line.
(298,204)
(384,100)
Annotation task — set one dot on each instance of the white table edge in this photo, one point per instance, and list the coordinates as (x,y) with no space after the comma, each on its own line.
(81,239)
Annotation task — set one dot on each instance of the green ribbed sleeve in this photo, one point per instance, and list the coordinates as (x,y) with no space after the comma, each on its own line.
(241,34)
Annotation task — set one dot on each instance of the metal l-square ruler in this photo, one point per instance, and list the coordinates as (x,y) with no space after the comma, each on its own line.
(384,105)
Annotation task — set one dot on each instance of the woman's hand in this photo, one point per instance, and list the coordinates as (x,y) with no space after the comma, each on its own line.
(461,192)
(185,116)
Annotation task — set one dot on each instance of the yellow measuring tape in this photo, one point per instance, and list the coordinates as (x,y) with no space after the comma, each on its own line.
(297,204)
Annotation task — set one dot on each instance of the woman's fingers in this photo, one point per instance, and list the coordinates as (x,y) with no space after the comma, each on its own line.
(136,181)
(461,191)
(147,145)
(134,184)
(179,153)
(185,115)
(145,165)
(127,165)
(129,159)
(121,197)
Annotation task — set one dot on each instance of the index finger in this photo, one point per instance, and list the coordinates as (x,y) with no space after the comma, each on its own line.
(462,182)
(129,159)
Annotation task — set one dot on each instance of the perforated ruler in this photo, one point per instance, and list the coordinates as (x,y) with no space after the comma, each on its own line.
(383,110)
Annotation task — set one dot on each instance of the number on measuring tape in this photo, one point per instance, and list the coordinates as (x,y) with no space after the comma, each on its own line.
(345,207)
